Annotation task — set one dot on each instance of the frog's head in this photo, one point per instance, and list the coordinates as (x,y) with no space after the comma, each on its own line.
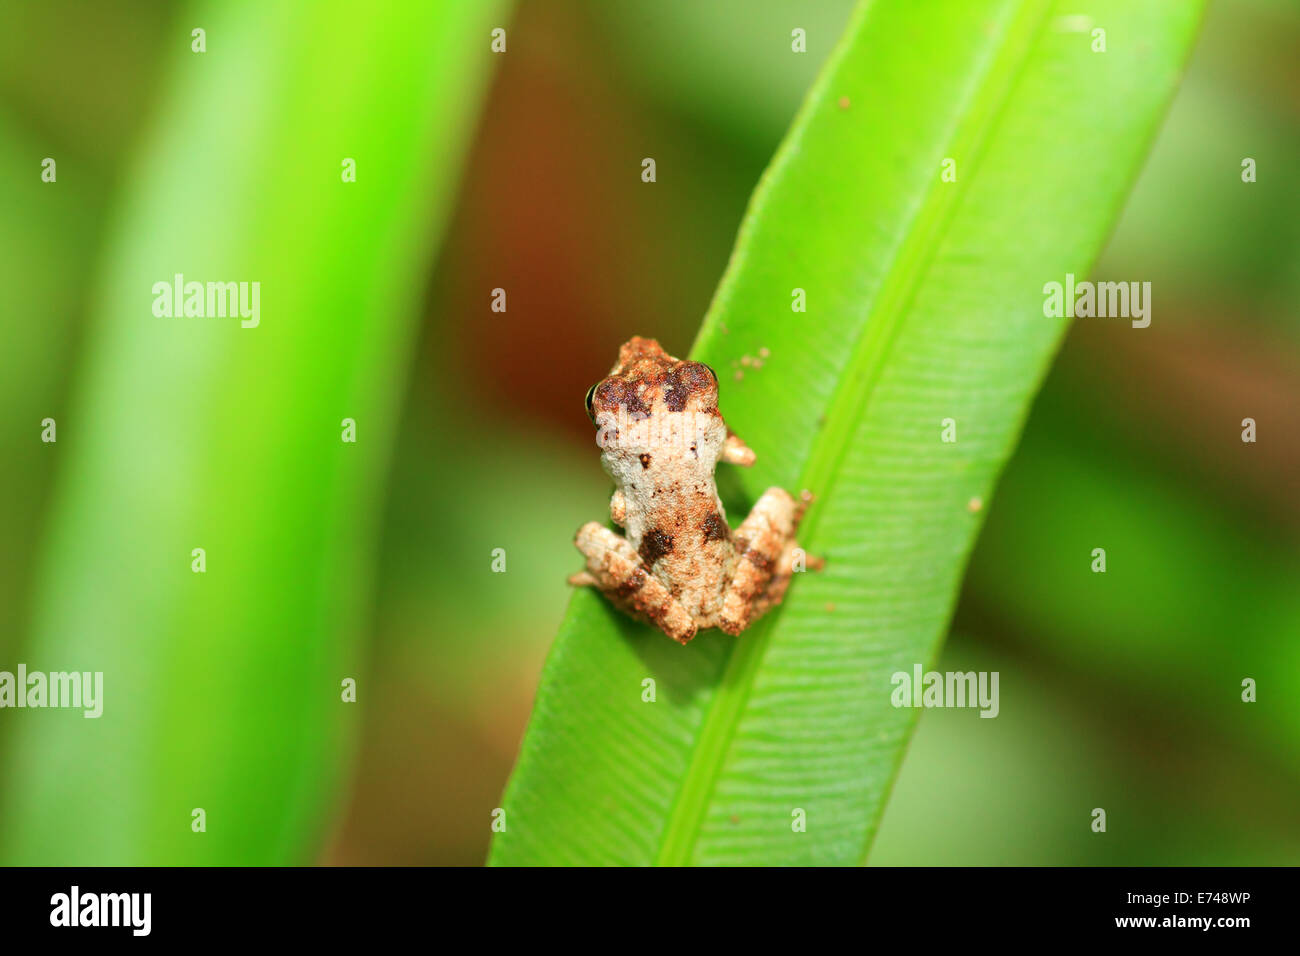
(654,405)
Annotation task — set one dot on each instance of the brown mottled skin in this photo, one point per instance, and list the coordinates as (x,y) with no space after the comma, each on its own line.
(679,565)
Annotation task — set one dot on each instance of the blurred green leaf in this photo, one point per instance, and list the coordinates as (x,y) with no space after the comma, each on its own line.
(46,245)
(222,689)
(924,303)
(728,64)
(1156,626)
(1020,790)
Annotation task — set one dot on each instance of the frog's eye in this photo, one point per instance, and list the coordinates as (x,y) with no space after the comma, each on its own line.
(591,412)
(713,373)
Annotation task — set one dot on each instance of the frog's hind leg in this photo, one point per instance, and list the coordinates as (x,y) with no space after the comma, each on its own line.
(785,570)
(765,547)
(617,570)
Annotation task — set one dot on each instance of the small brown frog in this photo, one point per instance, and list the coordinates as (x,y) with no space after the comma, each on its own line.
(678,564)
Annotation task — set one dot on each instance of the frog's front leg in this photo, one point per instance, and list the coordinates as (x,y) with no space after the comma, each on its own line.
(736,452)
(765,546)
(618,508)
(617,570)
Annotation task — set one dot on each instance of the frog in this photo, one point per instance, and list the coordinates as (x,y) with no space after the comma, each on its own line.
(678,565)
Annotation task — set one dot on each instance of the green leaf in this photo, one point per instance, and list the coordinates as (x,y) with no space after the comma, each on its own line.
(222,689)
(924,302)
(46,245)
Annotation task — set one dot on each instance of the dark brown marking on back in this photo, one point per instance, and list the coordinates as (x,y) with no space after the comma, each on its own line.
(685,380)
(714,528)
(655,545)
(613,392)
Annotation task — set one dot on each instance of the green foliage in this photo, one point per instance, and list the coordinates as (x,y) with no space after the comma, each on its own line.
(924,303)
(222,689)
